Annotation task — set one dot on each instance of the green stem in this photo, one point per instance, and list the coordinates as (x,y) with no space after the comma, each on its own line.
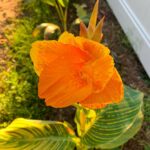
(65,19)
(64,16)
(76,105)
(59,13)
(61,10)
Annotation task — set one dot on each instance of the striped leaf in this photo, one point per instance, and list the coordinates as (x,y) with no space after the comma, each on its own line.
(23,134)
(112,126)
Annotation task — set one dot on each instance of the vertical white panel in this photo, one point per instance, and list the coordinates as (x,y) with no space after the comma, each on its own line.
(141,9)
(134,17)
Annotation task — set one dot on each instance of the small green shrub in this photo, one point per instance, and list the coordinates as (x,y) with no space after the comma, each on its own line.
(18,85)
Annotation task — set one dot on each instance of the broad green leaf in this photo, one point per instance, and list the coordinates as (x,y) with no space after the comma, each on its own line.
(113,125)
(63,3)
(50,2)
(24,134)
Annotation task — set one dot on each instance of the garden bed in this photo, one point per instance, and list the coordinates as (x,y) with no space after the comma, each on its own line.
(18,86)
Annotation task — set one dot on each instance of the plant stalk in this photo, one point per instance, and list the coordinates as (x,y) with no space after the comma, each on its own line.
(65,19)
(64,16)
(59,13)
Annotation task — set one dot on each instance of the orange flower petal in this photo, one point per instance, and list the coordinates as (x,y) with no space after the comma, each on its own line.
(67,38)
(45,52)
(112,93)
(96,49)
(101,65)
(100,71)
(62,87)
(60,82)
(41,54)
(93,48)
(75,69)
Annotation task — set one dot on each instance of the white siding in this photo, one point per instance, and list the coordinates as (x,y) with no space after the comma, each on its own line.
(134,17)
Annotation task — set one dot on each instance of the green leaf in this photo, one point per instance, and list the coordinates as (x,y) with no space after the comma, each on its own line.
(50,2)
(113,125)
(97,34)
(63,3)
(24,134)
(147,147)
(81,14)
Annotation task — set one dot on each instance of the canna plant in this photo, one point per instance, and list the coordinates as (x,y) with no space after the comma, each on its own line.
(78,71)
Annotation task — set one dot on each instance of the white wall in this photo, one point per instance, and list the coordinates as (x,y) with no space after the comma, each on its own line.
(134,17)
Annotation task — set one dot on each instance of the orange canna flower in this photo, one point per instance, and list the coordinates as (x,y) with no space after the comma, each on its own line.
(76,70)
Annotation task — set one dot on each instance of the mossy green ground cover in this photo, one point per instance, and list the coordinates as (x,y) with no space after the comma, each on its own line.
(19,96)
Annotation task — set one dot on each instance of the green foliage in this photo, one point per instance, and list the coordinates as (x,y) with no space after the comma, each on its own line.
(105,128)
(18,84)
(63,3)
(147,109)
(38,11)
(62,14)
(50,2)
(112,126)
(81,13)
(19,97)
(147,147)
(35,134)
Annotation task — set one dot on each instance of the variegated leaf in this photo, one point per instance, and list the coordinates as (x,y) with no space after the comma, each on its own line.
(24,134)
(114,125)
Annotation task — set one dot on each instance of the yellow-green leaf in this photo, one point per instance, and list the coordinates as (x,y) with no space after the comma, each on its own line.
(93,19)
(80,10)
(63,3)
(114,125)
(97,35)
(83,30)
(84,120)
(24,134)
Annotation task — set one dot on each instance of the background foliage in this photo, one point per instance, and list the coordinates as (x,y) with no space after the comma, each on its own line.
(19,83)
